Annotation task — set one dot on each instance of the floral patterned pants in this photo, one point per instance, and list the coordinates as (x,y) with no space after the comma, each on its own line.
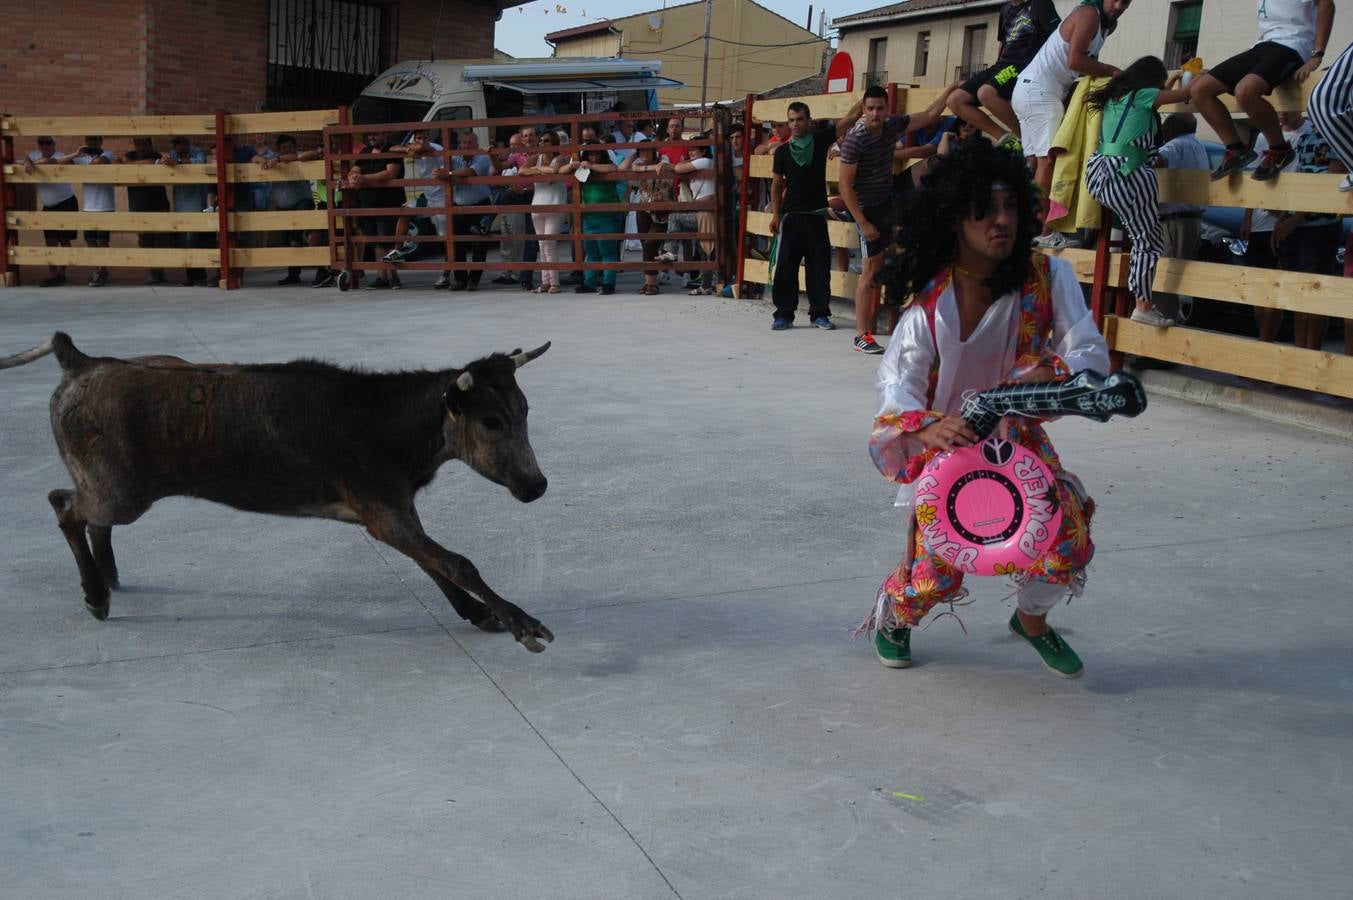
(913,591)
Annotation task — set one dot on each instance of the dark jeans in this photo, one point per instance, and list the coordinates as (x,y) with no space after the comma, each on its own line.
(465,250)
(376,226)
(648,224)
(530,252)
(197,240)
(803,237)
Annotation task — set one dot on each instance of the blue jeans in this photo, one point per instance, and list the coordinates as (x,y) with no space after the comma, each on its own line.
(601,251)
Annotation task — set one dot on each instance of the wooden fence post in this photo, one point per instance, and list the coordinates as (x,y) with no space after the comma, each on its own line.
(576,190)
(345,146)
(447,198)
(1099,291)
(8,201)
(225,202)
(748,142)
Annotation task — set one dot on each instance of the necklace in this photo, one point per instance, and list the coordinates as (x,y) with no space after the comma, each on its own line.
(970,273)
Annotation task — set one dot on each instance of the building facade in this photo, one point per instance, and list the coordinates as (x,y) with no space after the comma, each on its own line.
(165,57)
(931,43)
(752,50)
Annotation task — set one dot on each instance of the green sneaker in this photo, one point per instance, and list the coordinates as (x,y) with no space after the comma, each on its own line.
(1011,142)
(1057,656)
(893,646)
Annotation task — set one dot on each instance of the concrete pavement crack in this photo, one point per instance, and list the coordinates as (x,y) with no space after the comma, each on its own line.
(526,719)
(200,343)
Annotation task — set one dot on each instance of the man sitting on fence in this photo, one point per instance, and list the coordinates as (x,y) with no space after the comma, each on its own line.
(52,197)
(1023,27)
(290,196)
(798,216)
(1293,35)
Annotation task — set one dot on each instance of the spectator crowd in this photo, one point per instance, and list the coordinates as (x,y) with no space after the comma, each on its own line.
(640,175)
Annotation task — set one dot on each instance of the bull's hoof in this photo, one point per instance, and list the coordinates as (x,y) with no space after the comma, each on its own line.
(530,633)
(98,612)
(490,624)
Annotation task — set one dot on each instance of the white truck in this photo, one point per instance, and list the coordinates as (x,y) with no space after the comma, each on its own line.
(422,91)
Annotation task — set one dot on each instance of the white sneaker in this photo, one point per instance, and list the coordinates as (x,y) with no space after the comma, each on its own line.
(1151,317)
(1346,183)
(1055,241)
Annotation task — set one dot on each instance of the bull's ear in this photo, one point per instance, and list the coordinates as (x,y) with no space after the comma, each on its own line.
(455,403)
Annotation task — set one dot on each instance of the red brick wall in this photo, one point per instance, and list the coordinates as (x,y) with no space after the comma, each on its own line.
(465,30)
(172,57)
(204,56)
(80,57)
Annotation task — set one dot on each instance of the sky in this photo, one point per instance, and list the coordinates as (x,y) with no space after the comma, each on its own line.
(522,30)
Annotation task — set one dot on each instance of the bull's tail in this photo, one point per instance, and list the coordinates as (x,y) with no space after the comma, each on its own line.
(70,358)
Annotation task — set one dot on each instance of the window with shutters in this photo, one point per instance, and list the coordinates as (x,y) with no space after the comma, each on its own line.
(1186,21)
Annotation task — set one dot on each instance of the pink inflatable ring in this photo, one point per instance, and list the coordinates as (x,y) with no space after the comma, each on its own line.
(990,509)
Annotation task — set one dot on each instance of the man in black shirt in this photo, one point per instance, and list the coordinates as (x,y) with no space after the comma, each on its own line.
(1023,27)
(798,216)
(153,198)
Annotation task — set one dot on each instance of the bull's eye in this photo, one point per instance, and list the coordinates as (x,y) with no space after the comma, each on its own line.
(493,423)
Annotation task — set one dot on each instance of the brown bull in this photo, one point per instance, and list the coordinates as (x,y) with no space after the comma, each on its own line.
(297,439)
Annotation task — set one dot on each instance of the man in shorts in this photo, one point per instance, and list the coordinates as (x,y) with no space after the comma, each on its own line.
(866,184)
(1293,35)
(1023,27)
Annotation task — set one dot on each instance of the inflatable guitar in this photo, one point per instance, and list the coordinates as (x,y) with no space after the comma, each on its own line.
(993,508)
(1086,394)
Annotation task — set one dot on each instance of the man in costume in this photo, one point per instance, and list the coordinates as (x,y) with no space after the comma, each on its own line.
(984,310)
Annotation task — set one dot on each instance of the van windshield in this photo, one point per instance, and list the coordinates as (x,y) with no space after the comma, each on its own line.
(380,110)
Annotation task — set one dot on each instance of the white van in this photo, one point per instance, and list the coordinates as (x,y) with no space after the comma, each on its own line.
(423,91)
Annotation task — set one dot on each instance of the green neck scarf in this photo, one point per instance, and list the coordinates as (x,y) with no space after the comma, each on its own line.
(801,149)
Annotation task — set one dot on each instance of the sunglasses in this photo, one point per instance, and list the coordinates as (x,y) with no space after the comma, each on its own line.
(46,143)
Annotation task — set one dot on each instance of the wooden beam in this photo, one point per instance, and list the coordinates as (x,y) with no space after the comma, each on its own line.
(281,122)
(822,106)
(1293,191)
(293,171)
(1313,370)
(116,173)
(277,257)
(282,220)
(107,126)
(136,257)
(757,271)
(1289,97)
(763,167)
(1321,295)
(841,234)
(278,220)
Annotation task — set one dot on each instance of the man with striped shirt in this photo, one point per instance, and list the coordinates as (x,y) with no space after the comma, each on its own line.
(867,189)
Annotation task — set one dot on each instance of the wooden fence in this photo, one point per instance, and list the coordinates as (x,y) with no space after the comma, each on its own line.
(220,131)
(346,240)
(1322,295)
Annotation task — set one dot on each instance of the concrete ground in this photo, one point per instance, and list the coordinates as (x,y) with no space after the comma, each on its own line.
(284,708)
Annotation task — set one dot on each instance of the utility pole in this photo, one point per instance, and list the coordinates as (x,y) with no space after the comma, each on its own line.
(704,78)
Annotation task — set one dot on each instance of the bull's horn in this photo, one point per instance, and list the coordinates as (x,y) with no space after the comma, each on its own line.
(522,359)
(465,381)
